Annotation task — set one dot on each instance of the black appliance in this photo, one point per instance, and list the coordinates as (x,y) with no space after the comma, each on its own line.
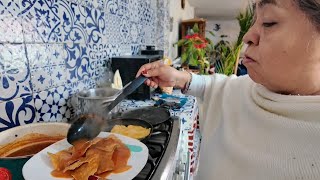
(150,50)
(128,67)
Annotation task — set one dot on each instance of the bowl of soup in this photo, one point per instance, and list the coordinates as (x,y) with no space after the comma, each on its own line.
(19,144)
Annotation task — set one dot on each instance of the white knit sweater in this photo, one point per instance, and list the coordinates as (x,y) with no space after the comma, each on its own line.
(250,133)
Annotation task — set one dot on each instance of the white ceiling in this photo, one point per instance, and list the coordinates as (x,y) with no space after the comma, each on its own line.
(218,9)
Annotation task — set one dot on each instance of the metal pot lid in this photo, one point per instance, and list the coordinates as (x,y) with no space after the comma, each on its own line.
(153,115)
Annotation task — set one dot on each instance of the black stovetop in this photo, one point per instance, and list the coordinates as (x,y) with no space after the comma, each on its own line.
(157,145)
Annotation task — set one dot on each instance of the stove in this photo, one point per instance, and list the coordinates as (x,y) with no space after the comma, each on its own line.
(162,146)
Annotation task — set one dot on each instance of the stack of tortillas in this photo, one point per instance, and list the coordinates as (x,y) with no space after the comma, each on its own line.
(117,82)
(167,90)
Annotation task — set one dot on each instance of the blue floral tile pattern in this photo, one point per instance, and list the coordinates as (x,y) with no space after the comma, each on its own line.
(125,30)
(98,4)
(17,112)
(52,105)
(47,63)
(95,25)
(40,20)
(14,72)
(112,6)
(77,62)
(10,23)
(73,24)
(81,85)
(98,54)
(52,49)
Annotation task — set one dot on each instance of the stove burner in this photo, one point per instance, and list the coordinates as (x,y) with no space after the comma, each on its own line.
(157,145)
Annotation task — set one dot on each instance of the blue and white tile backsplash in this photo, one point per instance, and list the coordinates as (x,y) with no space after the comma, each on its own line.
(52,49)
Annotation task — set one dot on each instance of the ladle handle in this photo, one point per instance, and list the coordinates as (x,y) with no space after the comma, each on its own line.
(127,90)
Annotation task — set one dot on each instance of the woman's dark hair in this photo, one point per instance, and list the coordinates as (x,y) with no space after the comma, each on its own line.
(312,9)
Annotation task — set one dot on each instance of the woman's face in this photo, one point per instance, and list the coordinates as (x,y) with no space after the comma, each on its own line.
(283,51)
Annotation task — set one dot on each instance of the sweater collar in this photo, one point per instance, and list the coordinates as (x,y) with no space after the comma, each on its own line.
(290,106)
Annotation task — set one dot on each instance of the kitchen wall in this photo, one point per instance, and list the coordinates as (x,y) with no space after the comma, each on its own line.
(227,27)
(51,49)
(177,14)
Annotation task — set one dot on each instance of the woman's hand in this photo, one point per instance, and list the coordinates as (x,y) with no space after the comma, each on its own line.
(163,75)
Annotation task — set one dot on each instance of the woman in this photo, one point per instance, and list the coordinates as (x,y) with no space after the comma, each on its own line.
(265,125)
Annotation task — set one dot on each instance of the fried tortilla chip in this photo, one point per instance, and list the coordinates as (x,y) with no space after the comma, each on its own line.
(59,160)
(120,157)
(85,171)
(101,156)
(105,157)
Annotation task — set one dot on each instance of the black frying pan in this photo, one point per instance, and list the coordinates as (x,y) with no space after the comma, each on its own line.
(153,115)
(129,121)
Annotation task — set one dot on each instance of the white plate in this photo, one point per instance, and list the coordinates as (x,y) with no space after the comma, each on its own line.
(40,167)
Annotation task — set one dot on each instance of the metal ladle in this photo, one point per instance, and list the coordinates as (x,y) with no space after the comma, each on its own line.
(89,126)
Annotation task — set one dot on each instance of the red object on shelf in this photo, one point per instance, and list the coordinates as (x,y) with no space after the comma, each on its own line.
(5,174)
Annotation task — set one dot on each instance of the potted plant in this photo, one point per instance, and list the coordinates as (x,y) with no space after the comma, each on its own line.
(226,56)
(195,51)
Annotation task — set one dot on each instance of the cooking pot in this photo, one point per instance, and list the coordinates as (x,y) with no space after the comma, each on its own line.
(15,164)
(94,100)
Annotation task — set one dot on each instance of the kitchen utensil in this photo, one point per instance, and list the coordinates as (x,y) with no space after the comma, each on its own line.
(88,127)
(87,100)
(153,115)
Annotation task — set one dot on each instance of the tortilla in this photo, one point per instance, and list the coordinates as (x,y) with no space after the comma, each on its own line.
(136,132)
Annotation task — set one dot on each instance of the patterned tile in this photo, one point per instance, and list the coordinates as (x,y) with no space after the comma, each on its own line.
(73,17)
(125,49)
(125,30)
(77,62)
(162,24)
(17,112)
(95,25)
(44,55)
(77,1)
(41,21)
(10,23)
(81,85)
(123,8)
(40,79)
(51,105)
(14,72)
(113,50)
(98,54)
(112,7)
(134,10)
(112,29)
(146,13)
(97,4)
(135,49)
(135,33)
(47,64)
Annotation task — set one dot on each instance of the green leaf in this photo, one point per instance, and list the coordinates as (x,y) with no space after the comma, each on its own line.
(212,34)
(184,57)
(195,28)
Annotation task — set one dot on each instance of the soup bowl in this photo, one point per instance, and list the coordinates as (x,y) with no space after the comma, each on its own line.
(14,164)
